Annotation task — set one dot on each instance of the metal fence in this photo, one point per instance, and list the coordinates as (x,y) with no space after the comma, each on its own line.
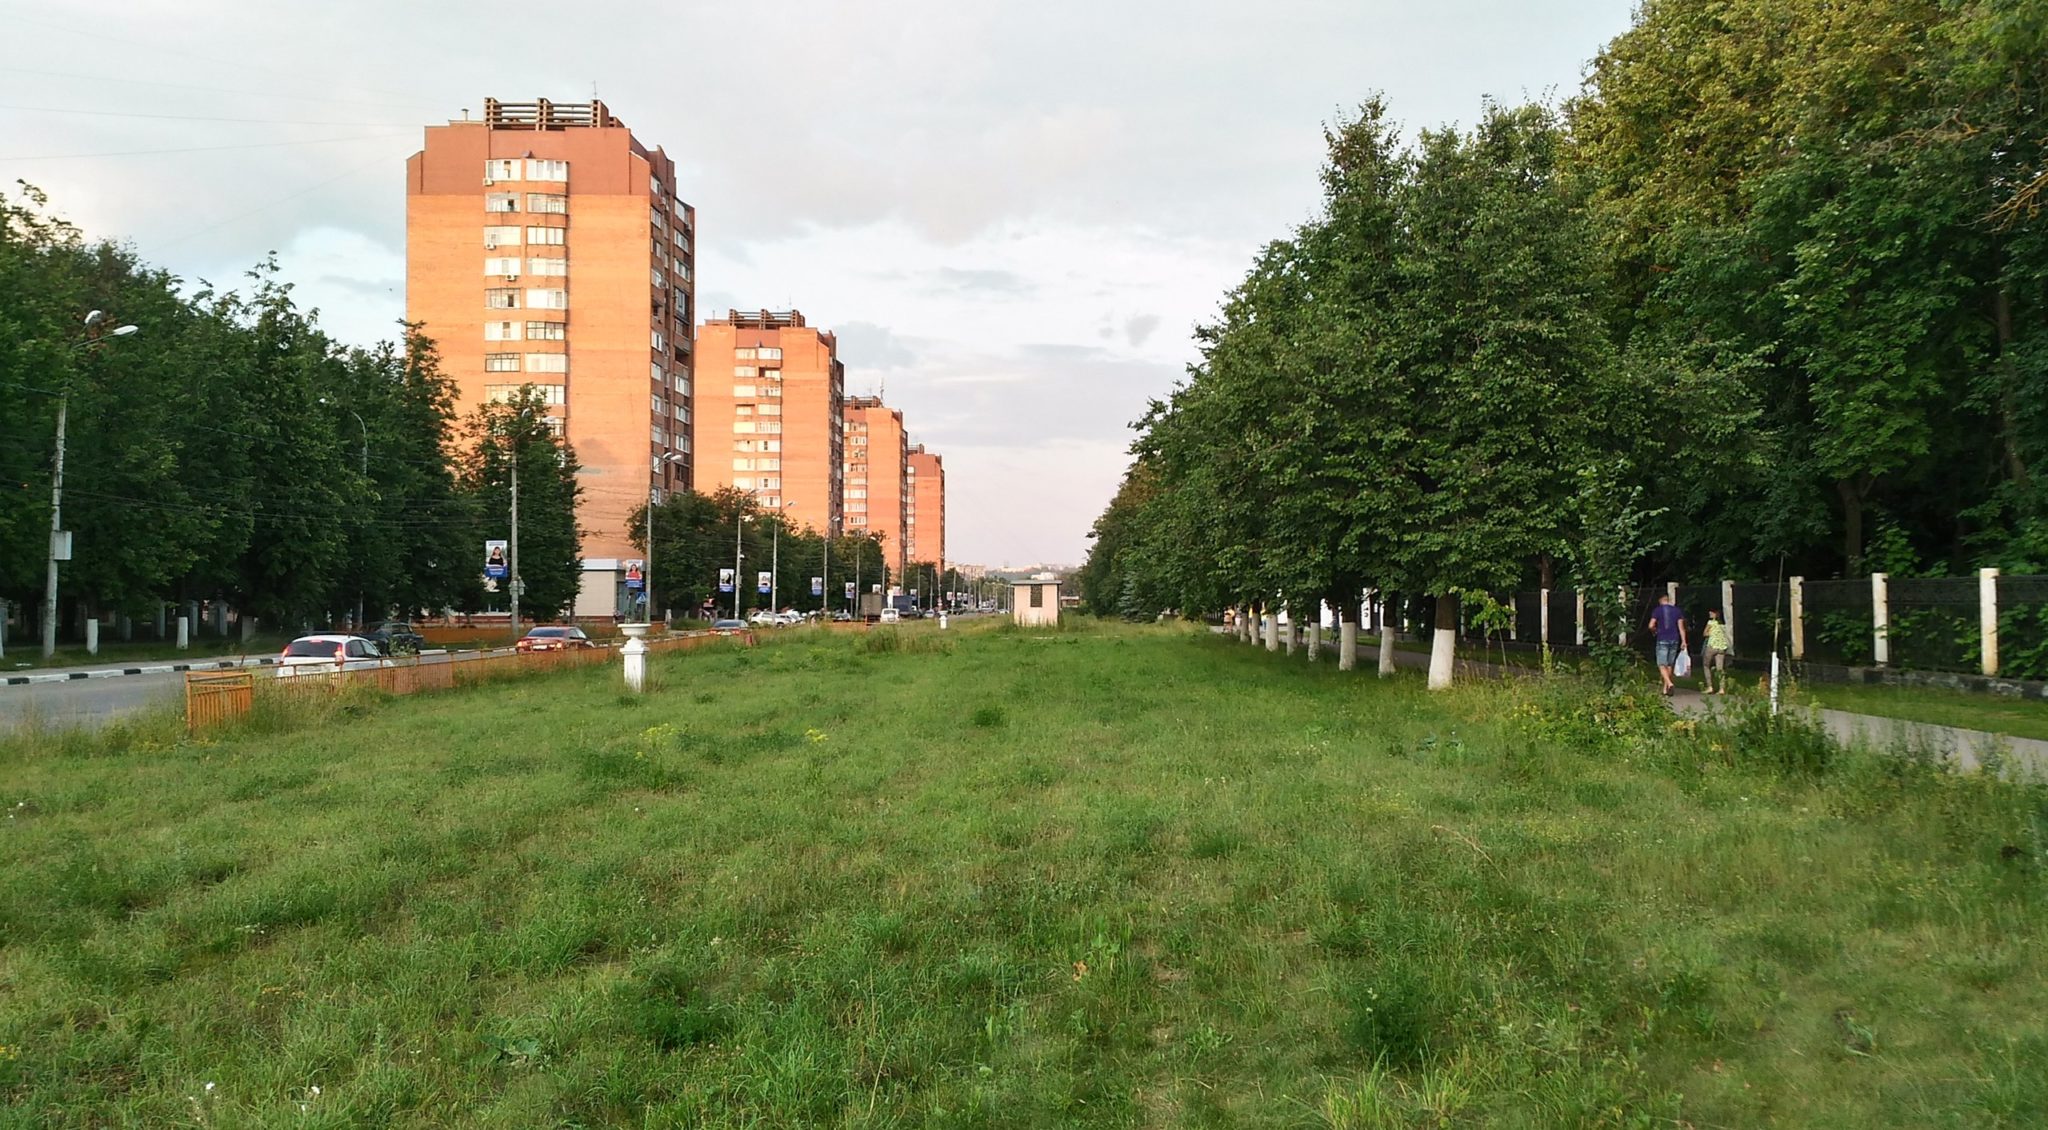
(1988,624)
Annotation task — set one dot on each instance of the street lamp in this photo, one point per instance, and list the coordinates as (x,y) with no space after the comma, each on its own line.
(738,586)
(59,540)
(647,566)
(775,561)
(366,476)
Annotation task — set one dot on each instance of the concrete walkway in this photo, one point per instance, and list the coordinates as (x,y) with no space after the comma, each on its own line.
(1967,748)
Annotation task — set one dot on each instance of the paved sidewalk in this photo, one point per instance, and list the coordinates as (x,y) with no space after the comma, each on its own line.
(152,667)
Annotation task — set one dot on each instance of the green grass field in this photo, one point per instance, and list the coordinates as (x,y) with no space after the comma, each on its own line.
(1106,877)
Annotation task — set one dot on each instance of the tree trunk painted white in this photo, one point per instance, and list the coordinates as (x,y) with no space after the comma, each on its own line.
(1386,648)
(1315,641)
(1288,633)
(1347,646)
(1443,652)
(248,627)
(184,632)
(1272,632)
(1987,619)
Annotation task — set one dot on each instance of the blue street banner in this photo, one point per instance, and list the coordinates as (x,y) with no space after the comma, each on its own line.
(636,575)
(817,586)
(725,580)
(762,581)
(494,559)
(849,590)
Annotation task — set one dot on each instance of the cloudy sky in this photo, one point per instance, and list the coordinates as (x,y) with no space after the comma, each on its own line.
(1012,213)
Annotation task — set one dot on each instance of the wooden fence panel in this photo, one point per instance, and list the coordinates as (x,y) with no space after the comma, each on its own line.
(212,698)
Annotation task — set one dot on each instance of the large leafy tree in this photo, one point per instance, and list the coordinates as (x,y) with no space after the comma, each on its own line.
(518,433)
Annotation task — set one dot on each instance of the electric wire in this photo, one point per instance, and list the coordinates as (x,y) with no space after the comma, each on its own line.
(204,148)
(192,117)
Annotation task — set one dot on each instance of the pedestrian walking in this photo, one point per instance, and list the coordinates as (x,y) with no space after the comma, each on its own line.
(1667,623)
(1720,645)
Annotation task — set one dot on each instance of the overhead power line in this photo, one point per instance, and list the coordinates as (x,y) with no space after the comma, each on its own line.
(204,148)
(190,117)
(323,99)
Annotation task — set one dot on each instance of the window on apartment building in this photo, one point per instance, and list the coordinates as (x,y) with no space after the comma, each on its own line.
(771,427)
(654,370)
(771,445)
(659,406)
(554,424)
(657,279)
(771,484)
(856,494)
(654,217)
(657,434)
(547,331)
(506,394)
(743,427)
(742,464)
(501,362)
(547,203)
(501,331)
(501,170)
(743,444)
(547,237)
(502,298)
(746,353)
(742,409)
(501,265)
(771,353)
(657,492)
(546,170)
(771,390)
(746,371)
(744,482)
(770,409)
(682,412)
(547,298)
(682,383)
(770,464)
(547,268)
(501,235)
(745,390)
(659,341)
(547,362)
(501,202)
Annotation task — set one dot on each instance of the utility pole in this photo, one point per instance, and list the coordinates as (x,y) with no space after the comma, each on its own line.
(775,566)
(515,585)
(58,540)
(647,565)
(738,582)
(825,580)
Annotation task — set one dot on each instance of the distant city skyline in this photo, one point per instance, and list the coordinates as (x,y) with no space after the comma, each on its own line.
(1012,229)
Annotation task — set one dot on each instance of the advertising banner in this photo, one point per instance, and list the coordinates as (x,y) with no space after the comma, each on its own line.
(636,575)
(725,580)
(817,586)
(494,559)
(762,581)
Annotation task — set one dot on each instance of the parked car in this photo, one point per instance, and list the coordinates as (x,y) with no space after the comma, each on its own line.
(789,617)
(555,639)
(842,617)
(762,618)
(396,638)
(327,653)
(729,625)
(891,616)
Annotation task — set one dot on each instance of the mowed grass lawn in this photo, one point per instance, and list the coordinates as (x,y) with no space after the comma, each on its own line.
(1107,877)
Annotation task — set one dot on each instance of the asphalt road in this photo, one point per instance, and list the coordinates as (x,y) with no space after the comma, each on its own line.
(92,703)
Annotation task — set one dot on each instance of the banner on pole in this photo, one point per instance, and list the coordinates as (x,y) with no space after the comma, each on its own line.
(762,581)
(725,580)
(817,586)
(494,559)
(636,575)
(849,590)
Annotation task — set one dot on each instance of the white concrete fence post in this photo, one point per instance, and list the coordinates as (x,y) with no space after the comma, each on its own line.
(1880,621)
(1579,615)
(1728,608)
(1798,613)
(92,635)
(3,629)
(1987,617)
(184,632)
(1543,617)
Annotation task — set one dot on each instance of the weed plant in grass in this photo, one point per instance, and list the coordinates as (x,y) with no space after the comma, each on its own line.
(1115,876)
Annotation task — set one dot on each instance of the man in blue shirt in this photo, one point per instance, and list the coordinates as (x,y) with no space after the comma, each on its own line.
(1667,620)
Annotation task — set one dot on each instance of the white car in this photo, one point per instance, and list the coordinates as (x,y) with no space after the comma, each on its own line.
(891,616)
(789,618)
(326,654)
(762,618)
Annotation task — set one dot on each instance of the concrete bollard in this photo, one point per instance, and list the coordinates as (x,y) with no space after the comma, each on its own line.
(92,635)
(184,632)
(634,654)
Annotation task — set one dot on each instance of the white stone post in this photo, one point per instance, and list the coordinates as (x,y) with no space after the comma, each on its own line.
(184,632)
(160,620)
(92,635)
(1798,607)
(1728,608)
(3,629)
(1880,621)
(1543,617)
(635,655)
(1987,617)
(1579,615)
(1672,588)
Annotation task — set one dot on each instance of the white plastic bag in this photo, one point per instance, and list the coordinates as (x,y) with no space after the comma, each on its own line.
(1683,667)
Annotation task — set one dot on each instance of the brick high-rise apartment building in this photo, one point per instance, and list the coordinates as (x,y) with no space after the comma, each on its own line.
(769,416)
(925,523)
(877,477)
(546,245)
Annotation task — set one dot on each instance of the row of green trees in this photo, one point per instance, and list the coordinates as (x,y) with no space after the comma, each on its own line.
(229,450)
(1770,295)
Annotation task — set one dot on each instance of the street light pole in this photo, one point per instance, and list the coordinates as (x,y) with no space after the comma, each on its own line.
(647,577)
(737,586)
(366,478)
(93,336)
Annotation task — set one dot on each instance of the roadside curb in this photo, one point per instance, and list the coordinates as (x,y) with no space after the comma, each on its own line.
(155,669)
